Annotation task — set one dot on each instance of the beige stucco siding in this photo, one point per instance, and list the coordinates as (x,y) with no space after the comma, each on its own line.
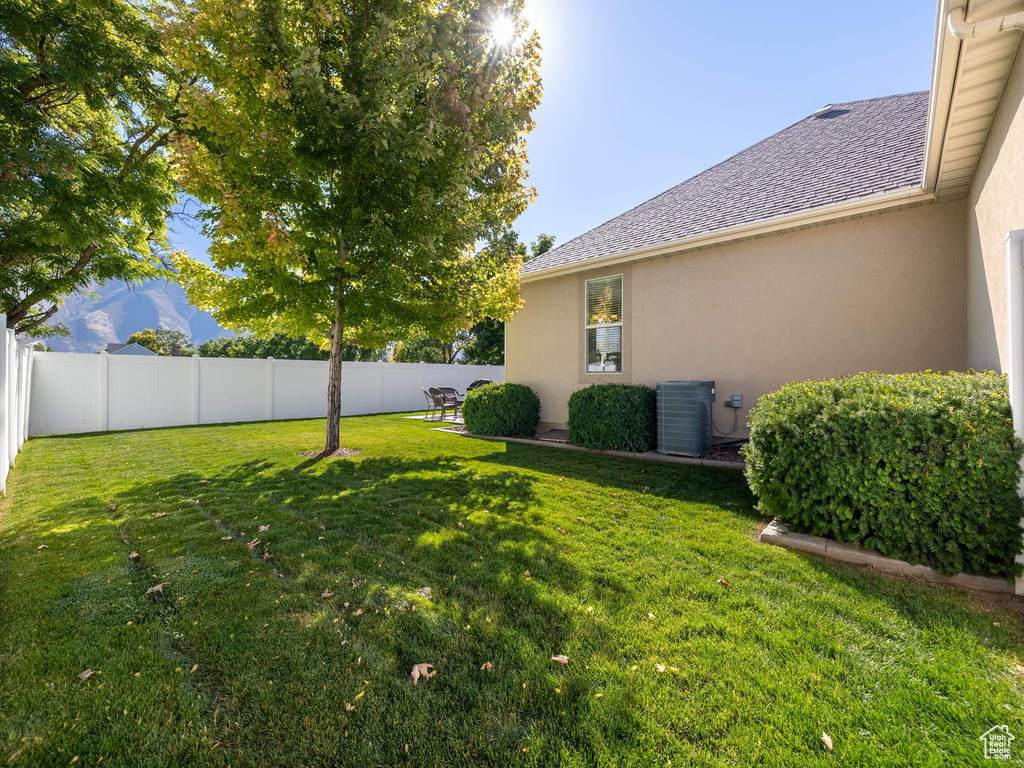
(885,292)
(995,205)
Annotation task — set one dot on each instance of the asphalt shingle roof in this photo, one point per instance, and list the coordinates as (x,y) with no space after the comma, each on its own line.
(859,149)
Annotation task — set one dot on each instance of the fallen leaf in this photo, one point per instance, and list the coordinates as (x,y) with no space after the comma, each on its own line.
(590,609)
(425,593)
(327,593)
(204,480)
(253,544)
(461,525)
(159,514)
(156,589)
(195,667)
(650,615)
(359,695)
(43,546)
(827,741)
(349,707)
(225,538)
(86,675)
(358,613)
(422,670)
(320,527)
(112,507)
(661,667)
(486,667)
(264,528)
(561,659)
(134,556)
(561,529)
(723,582)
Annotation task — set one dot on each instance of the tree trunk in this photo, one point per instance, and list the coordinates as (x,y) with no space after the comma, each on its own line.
(333,440)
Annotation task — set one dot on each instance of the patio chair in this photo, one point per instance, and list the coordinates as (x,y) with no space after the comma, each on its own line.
(452,399)
(478,383)
(439,403)
(431,404)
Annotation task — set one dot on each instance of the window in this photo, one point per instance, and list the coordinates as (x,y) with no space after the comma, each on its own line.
(604,325)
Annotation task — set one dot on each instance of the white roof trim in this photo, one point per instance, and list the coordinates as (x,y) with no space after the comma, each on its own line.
(944,64)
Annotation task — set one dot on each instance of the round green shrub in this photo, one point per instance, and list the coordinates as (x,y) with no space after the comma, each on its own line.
(919,466)
(502,410)
(613,417)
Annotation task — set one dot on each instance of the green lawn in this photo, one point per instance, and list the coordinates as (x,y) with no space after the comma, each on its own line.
(528,553)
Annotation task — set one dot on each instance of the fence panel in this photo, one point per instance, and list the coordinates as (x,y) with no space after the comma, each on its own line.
(16,367)
(85,393)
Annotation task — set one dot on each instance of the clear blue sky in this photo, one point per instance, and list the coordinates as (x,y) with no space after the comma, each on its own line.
(640,95)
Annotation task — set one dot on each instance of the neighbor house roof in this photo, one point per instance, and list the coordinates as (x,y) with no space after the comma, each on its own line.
(134,348)
(854,151)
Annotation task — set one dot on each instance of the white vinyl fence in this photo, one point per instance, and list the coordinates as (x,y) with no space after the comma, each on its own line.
(16,363)
(74,392)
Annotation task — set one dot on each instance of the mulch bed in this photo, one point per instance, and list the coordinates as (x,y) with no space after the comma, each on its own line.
(724,453)
(341,453)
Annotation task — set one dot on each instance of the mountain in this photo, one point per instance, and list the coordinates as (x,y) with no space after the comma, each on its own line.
(114,311)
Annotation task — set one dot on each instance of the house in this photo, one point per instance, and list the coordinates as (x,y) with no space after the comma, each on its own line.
(870,235)
(128,349)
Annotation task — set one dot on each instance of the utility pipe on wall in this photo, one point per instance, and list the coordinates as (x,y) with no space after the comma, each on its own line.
(962,30)
(1015,343)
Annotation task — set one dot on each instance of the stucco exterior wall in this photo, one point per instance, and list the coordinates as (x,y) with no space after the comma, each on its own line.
(995,205)
(884,292)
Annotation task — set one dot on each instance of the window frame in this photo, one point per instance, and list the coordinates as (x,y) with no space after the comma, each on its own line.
(587,327)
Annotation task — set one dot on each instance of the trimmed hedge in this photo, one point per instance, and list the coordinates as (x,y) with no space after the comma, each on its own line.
(502,410)
(920,466)
(613,417)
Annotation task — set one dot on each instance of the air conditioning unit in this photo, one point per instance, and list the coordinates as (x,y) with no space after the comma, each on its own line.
(684,416)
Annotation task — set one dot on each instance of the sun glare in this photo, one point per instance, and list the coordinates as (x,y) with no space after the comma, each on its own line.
(502,30)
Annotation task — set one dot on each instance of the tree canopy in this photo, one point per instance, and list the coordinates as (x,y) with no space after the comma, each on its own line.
(349,156)
(485,343)
(163,341)
(86,106)
(280,346)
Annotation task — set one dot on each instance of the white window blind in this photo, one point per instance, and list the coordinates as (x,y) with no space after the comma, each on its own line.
(604,325)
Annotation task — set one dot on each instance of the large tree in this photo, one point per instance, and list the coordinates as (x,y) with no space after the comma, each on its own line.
(86,107)
(350,155)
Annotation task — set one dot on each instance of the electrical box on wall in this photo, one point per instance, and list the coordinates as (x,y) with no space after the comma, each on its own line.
(736,401)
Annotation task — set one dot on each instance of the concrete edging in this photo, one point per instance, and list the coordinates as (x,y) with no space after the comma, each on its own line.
(649,456)
(778,534)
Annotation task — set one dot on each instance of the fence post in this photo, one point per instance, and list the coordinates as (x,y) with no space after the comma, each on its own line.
(3,403)
(28,392)
(12,397)
(22,393)
(102,413)
(380,386)
(270,389)
(195,389)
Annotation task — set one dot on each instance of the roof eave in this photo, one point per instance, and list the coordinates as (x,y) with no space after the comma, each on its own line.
(946,54)
(822,214)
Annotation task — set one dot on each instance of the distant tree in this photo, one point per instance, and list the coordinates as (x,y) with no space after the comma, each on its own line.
(349,155)
(425,349)
(486,342)
(163,341)
(87,107)
(279,346)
